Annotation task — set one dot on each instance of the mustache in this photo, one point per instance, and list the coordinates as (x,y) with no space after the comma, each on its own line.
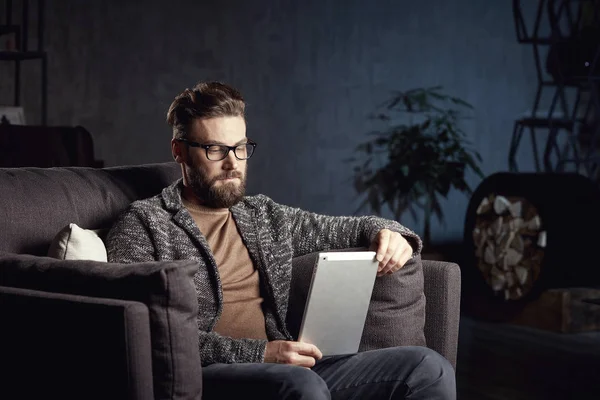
(230,175)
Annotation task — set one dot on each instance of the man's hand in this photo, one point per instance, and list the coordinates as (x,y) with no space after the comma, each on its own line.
(292,353)
(393,251)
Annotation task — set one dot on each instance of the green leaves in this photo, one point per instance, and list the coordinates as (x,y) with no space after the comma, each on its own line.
(416,161)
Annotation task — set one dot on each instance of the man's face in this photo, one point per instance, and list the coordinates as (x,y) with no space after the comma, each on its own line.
(216,184)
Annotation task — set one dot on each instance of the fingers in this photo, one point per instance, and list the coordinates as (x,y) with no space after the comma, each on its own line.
(308,349)
(406,255)
(383,239)
(390,250)
(394,251)
(302,354)
(400,257)
(393,262)
(388,245)
(292,353)
(301,361)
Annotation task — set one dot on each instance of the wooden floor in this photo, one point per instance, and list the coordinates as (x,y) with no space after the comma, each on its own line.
(507,362)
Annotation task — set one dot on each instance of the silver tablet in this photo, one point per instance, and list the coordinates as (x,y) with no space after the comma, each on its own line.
(338,301)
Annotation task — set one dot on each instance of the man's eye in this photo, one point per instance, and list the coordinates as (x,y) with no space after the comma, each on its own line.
(215,150)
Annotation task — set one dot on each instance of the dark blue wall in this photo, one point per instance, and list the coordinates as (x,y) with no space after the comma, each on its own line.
(311,72)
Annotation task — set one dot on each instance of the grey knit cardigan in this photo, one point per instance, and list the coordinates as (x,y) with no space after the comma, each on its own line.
(161,228)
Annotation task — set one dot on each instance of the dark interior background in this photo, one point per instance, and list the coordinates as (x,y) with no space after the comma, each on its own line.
(311,72)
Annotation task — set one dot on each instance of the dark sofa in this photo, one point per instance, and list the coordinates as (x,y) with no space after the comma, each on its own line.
(76,329)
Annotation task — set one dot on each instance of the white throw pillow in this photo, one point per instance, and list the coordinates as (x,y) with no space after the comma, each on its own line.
(75,243)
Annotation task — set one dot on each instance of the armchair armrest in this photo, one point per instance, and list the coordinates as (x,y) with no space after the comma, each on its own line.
(442,291)
(71,344)
(166,288)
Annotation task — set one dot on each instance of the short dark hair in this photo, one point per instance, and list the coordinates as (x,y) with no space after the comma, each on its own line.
(205,100)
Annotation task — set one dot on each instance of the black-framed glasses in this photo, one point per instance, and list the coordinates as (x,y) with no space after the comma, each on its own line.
(218,152)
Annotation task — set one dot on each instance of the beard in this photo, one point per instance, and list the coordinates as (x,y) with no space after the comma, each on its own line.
(225,195)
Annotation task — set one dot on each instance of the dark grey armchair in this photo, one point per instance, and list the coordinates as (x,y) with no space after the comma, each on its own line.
(77,329)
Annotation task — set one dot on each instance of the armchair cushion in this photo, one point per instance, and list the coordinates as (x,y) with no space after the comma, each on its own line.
(166,288)
(396,315)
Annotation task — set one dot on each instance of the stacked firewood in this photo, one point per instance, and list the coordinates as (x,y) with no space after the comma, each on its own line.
(509,242)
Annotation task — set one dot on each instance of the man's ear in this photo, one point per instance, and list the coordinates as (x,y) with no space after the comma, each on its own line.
(176,151)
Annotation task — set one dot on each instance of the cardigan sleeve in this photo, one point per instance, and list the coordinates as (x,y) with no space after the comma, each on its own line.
(314,232)
(129,239)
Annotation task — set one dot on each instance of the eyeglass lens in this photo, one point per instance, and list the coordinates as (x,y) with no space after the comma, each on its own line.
(217,153)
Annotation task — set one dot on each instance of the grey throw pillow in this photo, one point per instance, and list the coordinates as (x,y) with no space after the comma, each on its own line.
(396,314)
(166,288)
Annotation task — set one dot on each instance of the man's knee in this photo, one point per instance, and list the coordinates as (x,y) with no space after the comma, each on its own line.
(432,360)
(432,373)
(298,383)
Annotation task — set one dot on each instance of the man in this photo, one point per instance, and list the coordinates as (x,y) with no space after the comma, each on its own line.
(244,246)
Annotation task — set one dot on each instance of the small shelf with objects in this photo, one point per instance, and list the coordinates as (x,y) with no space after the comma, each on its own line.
(20,18)
(22,25)
(565,135)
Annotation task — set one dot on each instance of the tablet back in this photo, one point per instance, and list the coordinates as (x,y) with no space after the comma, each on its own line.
(338,301)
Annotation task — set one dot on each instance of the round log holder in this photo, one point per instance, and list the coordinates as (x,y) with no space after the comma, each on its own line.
(526,233)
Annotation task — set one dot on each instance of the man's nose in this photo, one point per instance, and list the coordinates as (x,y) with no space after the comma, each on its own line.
(230,162)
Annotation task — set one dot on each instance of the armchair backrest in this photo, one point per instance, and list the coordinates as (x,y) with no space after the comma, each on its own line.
(35,203)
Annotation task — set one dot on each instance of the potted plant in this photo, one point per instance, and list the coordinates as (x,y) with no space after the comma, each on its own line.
(418,156)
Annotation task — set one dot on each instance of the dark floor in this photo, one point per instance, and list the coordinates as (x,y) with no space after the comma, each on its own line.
(507,362)
(499,361)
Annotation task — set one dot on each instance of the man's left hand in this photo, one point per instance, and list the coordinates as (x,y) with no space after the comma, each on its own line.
(393,251)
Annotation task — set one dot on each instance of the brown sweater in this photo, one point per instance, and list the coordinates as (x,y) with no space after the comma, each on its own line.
(242,315)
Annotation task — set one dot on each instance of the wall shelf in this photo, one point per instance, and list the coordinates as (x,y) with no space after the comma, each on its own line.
(21,51)
(574,34)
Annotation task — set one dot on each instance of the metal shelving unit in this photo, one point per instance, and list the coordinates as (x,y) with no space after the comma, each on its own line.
(573,63)
(22,52)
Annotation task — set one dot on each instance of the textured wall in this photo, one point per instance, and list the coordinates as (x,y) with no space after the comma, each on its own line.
(311,72)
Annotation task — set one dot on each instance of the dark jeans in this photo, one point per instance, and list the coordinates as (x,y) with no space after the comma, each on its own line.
(394,373)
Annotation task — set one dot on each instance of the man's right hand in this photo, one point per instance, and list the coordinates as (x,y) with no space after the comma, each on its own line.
(292,353)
